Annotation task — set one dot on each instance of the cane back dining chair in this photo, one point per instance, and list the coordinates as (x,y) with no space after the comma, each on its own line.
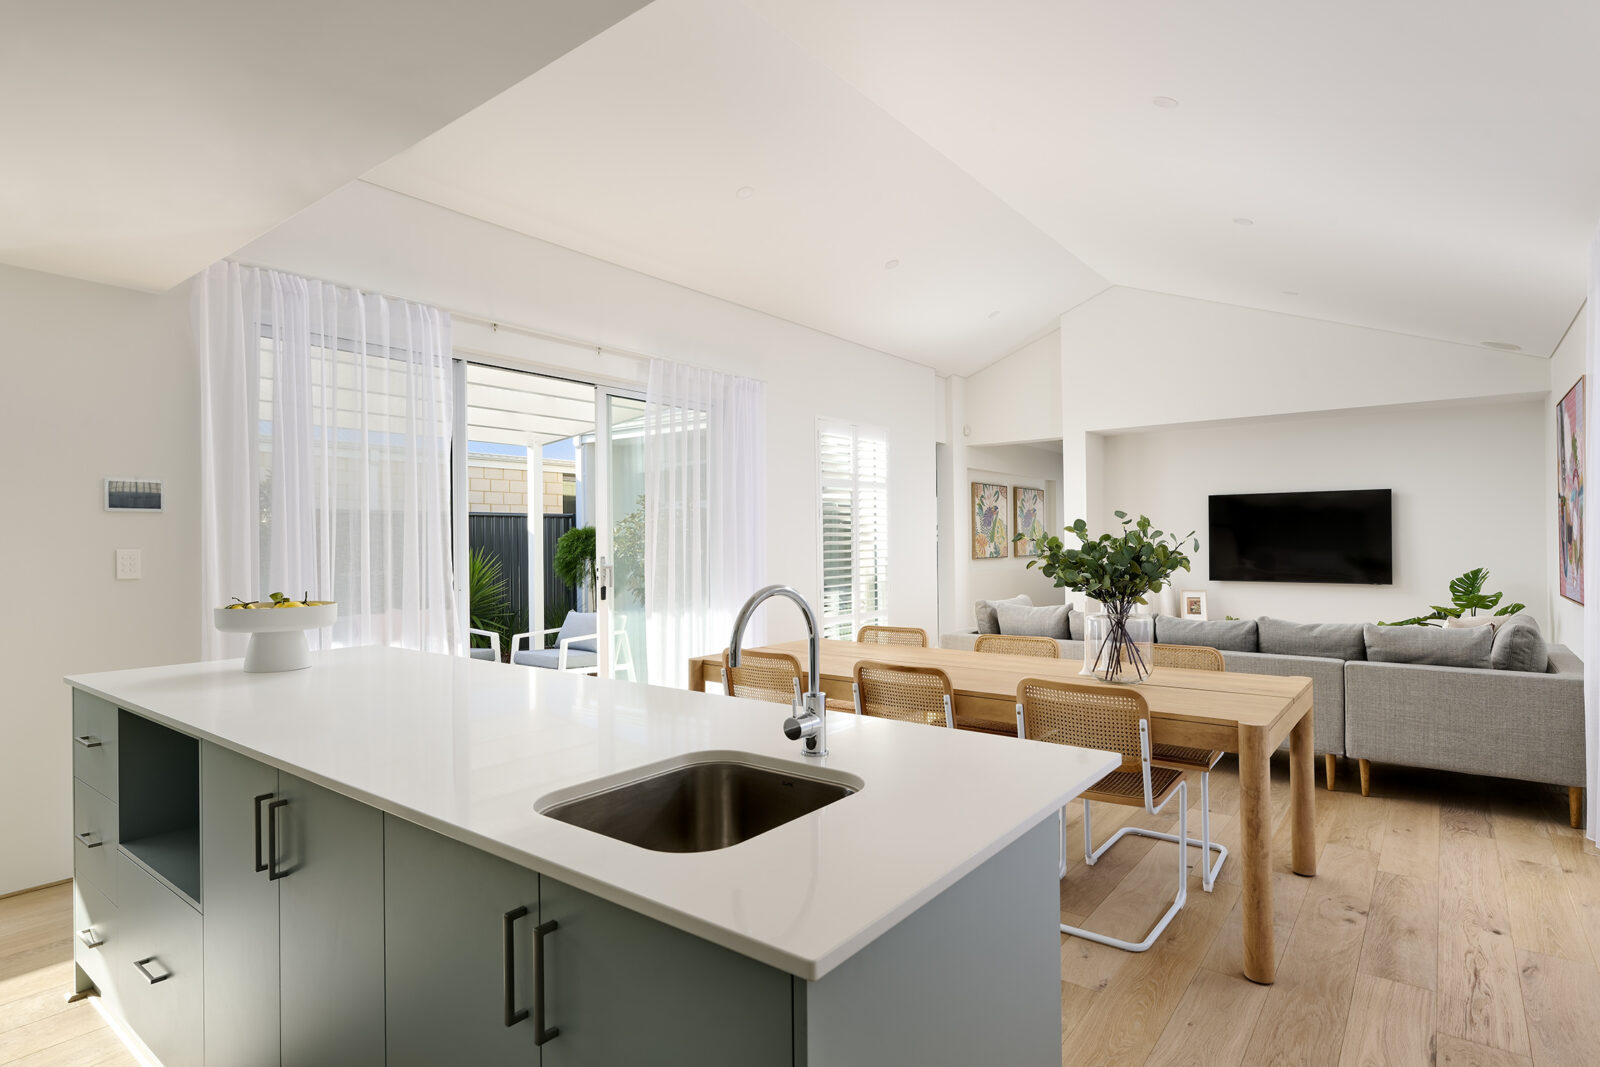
(1017,645)
(909,636)
(1115,720)
(1184,758)
(910,694)
(771,676)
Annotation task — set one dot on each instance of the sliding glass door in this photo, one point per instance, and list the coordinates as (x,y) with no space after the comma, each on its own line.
(619,533)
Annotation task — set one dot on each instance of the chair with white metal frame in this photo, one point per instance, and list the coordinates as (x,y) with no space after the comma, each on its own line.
(577,647)
(492,652)
(1114,720)
(1184,758)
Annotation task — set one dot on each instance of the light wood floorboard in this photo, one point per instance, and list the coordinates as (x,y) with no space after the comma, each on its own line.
(1408,948)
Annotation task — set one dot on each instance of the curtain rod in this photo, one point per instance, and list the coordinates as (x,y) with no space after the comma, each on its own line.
(496,325)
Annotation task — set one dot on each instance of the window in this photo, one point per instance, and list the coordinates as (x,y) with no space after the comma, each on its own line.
(853,507)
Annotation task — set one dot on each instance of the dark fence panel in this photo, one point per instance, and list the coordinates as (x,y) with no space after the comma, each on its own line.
(506,538)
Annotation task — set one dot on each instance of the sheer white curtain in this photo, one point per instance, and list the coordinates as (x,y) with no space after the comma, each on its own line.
(326,418)
(1590,540)
(705,457)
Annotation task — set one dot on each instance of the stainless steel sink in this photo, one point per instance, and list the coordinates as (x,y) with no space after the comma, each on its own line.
(699,806)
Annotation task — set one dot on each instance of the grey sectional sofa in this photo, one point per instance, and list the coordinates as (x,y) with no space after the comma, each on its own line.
(1520,724)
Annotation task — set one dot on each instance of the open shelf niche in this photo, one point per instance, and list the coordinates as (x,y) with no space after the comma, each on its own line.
(159,771)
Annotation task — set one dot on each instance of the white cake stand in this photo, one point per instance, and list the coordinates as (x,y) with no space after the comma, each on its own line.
(277,635)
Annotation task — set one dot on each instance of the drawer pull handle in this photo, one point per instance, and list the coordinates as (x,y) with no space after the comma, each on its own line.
(540,1034)
(513,1014)
(273,874)
(88,741)
(260,863)
(91,938)
(152,978)
(90,839)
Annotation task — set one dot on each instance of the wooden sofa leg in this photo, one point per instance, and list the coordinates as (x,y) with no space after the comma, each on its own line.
(1575,806)
(1331,762)
(1366,778)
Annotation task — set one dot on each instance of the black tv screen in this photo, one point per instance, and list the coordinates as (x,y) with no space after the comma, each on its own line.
(1341,537)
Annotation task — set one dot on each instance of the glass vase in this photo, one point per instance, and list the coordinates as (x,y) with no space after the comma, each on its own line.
(1116,646)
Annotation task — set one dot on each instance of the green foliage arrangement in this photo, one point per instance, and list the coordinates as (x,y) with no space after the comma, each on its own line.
(574,559)
(488,603)
(1466,598)
(628,541)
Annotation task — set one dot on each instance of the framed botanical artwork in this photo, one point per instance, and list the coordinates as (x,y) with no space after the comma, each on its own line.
(1030,520)
(991,521)
(1569,492)
(1194,605)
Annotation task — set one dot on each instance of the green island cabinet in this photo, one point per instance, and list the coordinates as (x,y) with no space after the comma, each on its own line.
(231,913)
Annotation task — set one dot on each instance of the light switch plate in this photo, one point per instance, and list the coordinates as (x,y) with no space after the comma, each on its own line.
(128,564)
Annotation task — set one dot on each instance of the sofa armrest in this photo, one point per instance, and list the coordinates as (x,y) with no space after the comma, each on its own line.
(1509,724)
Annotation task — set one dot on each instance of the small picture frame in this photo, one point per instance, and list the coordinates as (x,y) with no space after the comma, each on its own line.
(1192,605)
(133,494)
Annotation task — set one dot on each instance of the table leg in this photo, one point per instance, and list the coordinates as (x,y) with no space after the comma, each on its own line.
(697,677)
(1255,855)
(1302,798)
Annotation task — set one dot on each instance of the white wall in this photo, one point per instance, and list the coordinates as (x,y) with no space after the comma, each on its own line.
(102,384)
(993,579)
(380,240)
(1017,398)
(1566,367)
(1464,497)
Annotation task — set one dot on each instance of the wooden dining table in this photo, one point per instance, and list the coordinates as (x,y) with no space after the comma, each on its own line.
(1248,714)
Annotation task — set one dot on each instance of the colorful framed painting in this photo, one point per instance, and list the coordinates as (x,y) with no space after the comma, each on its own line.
(1569,491)
(991,521)
(1030,520)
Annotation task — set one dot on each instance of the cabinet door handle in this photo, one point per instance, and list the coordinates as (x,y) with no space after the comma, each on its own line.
(273,874)
(260,863)
(152,978)
(513,1015)
(87,843)
(541,1035)
(91,937)
(88,741)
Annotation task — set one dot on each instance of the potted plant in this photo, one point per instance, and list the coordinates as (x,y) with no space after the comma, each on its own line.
(1120,570)
(574,560)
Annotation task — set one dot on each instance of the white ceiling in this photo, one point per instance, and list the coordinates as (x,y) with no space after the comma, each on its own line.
(1429,168)
(143,142)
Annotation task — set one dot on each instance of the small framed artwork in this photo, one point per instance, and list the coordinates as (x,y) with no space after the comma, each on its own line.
(1194,605)
(1030,520)
(133,494)
(991,514)
(1569,492)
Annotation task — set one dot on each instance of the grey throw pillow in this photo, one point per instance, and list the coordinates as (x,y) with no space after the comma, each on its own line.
(1023,621)
(1330,640)
(984,611)
(1429,644)
(1518,646)
(1226,635)
(1075,625)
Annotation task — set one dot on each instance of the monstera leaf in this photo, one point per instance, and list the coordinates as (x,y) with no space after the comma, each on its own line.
(1468,595)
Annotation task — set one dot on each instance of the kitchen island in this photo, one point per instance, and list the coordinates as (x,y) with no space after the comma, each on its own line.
(352,864)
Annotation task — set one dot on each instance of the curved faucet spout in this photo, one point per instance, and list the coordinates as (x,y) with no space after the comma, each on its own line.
(810,726)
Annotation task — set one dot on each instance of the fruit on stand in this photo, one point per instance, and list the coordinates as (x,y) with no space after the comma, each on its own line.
(277,600)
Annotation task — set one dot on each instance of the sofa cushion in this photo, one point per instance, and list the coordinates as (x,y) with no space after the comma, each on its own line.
(1330,640)
(1518,646)
(1024,621)
(1226,635)
(984,611)
(1429,644)
(1076,625)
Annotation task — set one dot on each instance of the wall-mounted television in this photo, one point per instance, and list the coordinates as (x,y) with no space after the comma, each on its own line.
(1343,537)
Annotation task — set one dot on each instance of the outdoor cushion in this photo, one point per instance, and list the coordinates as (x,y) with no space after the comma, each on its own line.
(551,658)
(984,610)
(1518,646)
(1024,621)
(1429,644)
(576,624)
(1226,635)
(1330,640)
(481,653)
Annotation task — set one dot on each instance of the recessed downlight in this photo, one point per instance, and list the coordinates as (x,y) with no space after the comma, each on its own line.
(1164,101)
(1242,221)
(994,314)
(745,192)
(1501,346)
(891,264)
(1291,292)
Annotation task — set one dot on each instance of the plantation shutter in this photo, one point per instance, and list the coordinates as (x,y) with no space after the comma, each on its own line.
(853,502)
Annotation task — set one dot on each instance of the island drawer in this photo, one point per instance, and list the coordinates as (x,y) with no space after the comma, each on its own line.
(156,966)
(94,838)
(94,742)
(94,933)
